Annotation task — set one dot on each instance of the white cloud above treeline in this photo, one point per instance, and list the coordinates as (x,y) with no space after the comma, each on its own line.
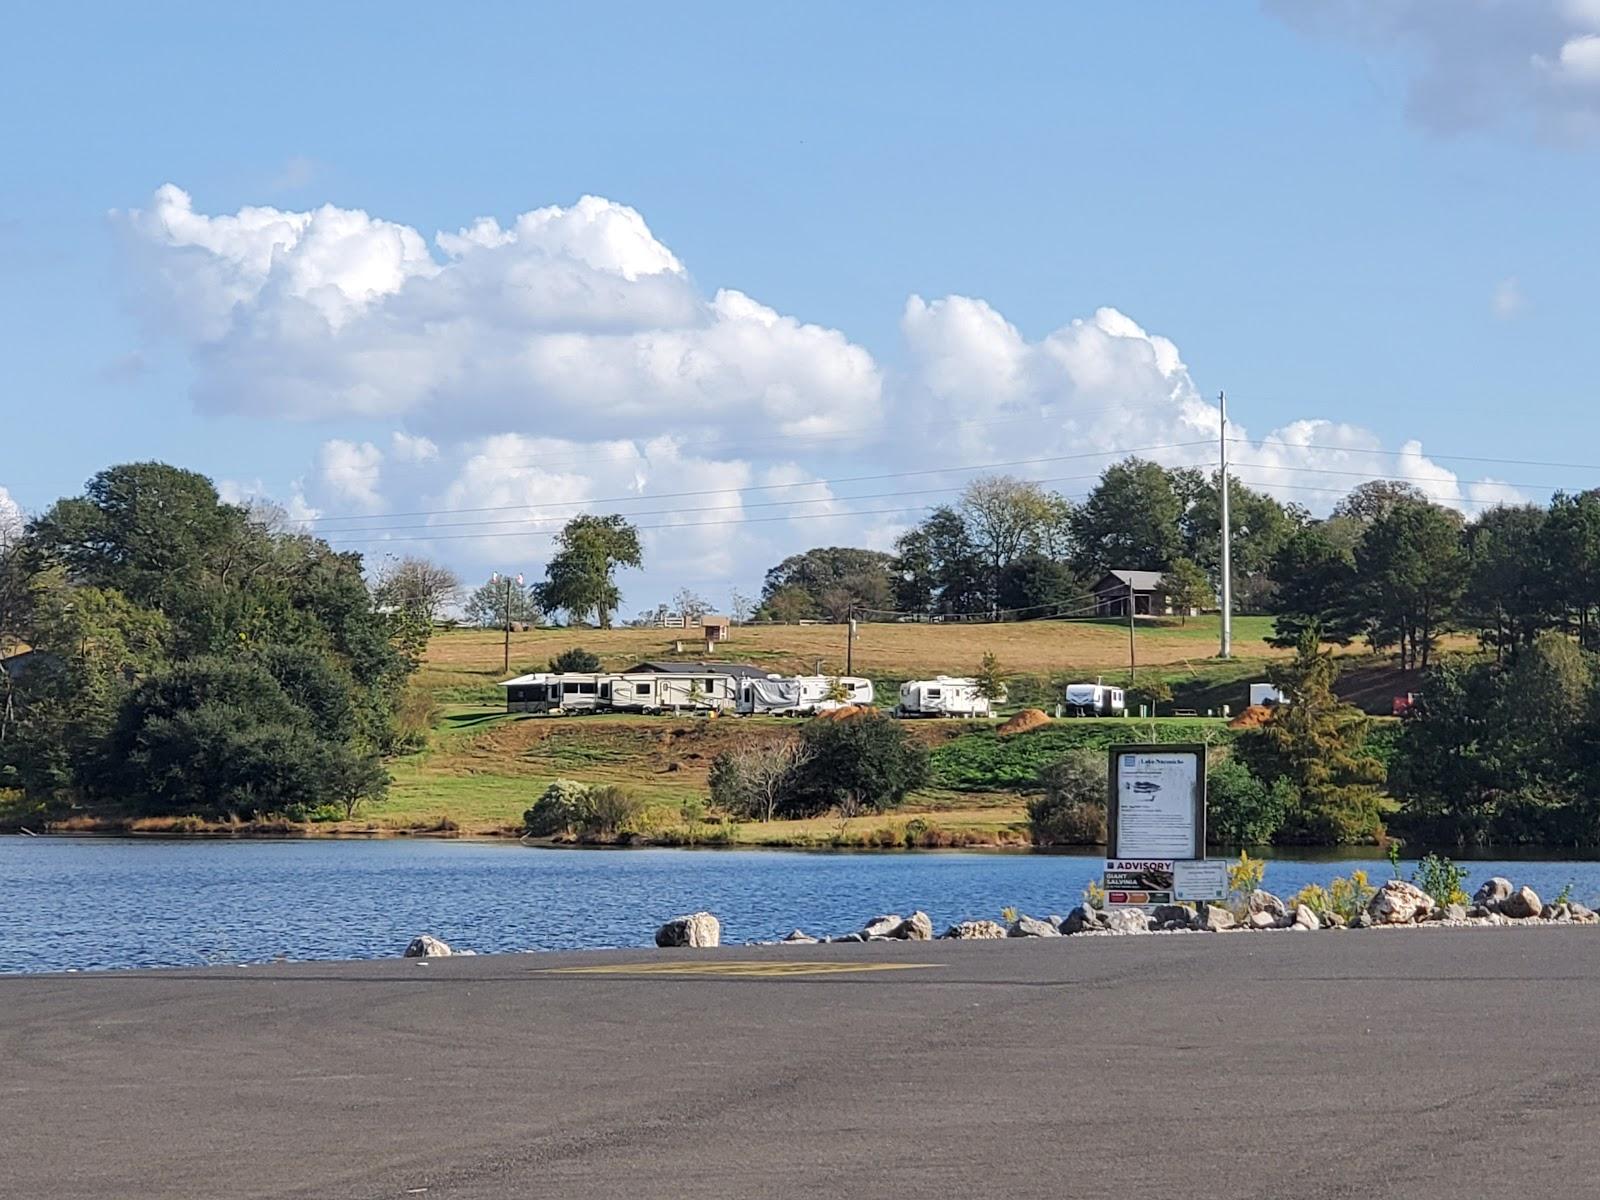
(567,357)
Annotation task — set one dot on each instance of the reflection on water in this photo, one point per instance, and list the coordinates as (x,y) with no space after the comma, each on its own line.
(92,902)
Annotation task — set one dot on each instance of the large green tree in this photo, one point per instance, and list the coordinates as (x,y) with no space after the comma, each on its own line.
(1410,568)
(1316,588)
(831,579)
(581,576)
(148,571)
(1130,520)
(1507,592)
(1318,744)
(938,567)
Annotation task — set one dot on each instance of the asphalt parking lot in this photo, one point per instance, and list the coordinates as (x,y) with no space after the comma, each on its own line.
(1416,1064)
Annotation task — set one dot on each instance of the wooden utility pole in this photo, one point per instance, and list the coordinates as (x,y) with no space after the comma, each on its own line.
(850,639)
(1132,666)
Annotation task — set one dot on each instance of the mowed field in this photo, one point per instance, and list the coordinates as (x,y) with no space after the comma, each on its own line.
(482,768)
(474,657)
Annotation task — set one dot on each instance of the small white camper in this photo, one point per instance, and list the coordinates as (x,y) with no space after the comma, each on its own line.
(1095,700)
(942,696)
(1265,693)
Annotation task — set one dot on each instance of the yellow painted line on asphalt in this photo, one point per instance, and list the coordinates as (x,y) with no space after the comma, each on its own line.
(735,968)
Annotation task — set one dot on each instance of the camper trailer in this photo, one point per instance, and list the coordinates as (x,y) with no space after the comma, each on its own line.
(1265,693)
(943,696)
(801,695)
(545,692)
(1095,700)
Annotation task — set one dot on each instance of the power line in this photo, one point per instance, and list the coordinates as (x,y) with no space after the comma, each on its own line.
(708,508)
(1504,462)
(870,512)
(757,487)
(1050,414)
(1377,478)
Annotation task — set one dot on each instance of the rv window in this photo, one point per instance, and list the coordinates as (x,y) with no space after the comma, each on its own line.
(642,688)
(933,693)
(605,690)
(571,689)
(586,689)
(711,686)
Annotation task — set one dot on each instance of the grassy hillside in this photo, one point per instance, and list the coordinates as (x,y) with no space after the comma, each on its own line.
(482,768)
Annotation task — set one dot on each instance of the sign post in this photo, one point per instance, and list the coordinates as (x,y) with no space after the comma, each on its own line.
(1156,826)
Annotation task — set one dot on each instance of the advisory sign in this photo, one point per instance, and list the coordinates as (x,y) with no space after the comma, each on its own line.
(1157,808)
(1140,882)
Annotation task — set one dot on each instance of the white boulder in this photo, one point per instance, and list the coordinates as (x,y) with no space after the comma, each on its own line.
(698,930)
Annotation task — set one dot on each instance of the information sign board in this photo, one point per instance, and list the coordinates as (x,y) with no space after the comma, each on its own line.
(1196,879)
(1157,807)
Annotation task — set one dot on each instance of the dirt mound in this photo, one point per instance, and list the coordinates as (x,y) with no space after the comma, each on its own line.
(1028,718)
(846,712)
(1253,717)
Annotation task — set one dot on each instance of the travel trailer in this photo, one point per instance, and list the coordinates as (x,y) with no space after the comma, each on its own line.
(802,695)
(1265,693)
(1095,700)
(942,696)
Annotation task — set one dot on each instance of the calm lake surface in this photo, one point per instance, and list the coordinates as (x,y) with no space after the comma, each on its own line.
(86,903)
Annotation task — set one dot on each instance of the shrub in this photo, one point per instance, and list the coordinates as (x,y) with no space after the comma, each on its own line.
(752,780)
(1244,877)
(1072,810)
(556,812)
(576,661)
(864,763)
(607,811)
(1241,808)
(1441,879)
(1347,897)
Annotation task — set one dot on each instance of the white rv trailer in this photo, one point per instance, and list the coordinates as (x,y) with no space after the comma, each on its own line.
(1095,700)
(1266,693)
(544,691)
(801,695)
(942,696)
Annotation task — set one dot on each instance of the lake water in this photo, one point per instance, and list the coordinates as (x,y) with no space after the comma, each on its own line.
(82,903)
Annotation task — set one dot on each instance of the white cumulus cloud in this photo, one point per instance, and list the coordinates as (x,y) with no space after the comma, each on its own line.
(569,321)
(1476,63)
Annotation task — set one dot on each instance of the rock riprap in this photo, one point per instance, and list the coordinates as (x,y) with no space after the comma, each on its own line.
(698,931)
(1399,903)
(1521,904)
(976,929)
(1026,926)
(425,945)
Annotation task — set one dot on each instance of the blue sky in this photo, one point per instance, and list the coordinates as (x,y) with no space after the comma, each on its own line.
(1382,217)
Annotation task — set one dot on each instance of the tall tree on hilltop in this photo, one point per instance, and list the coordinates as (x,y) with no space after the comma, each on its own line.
(831,579)
(939,568)
(1571,551)
(1006,518)
(488,605)
(1130,520)
(1409,564)
(1366,502)
(580,577)
(417,586)
(1508,593)
(1316,585)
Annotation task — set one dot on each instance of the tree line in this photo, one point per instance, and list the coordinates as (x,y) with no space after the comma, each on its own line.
(166,653)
